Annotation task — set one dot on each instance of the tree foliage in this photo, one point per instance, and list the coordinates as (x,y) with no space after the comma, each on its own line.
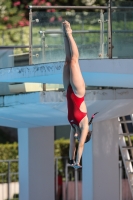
(14,13)
(10,151)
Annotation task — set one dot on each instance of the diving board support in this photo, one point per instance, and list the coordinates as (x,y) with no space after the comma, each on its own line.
(36,163)
(87,171)
(100,162)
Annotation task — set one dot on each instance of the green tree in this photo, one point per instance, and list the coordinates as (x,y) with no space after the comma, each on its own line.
(14,13)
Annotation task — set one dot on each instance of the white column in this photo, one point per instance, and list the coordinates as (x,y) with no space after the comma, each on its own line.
(100,162)
(36,163)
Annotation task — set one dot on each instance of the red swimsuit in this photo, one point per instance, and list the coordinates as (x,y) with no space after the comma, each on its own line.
(73,104)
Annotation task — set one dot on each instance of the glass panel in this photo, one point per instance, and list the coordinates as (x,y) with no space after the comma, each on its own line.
(10,57)
(104,35)
(48,45)
(122,30)
(21,56)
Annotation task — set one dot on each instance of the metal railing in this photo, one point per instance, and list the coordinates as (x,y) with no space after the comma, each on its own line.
(70,180)
(102,54)
(76,8)
(6,179)
(71,177)
(109,8)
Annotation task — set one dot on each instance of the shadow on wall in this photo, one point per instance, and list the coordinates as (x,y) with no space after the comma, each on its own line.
(62,132)
(8,135)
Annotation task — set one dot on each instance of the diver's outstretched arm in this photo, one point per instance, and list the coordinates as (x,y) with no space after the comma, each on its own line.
(72,147)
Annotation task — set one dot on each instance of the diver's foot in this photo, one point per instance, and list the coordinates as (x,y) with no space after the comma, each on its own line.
(67,27)
(71,163)
(77,166)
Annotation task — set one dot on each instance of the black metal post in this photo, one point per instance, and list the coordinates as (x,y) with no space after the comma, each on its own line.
(109,30)
(76,184)
(8,185)
(101,21)
(30,37)
(56,195)
(66,177)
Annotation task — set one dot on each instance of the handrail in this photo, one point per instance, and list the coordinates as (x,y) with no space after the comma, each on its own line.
(80,7)
(13,46)
(122,7)
(11,173)
(83,31)
(60,32)
(13,160)
(68,7)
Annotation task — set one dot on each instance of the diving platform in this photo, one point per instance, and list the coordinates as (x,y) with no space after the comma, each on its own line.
(49,108)
(102,73)
(114,98)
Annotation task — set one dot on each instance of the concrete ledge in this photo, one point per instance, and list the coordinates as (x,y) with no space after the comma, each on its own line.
(57,97)
(107,72)
(50,108)
(17,74)
(25,87)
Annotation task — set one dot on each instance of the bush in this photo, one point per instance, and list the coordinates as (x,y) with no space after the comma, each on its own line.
(10,151)
(62,150)
(61,147)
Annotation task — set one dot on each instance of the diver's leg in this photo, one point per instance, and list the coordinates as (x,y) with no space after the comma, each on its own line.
(66,70)
(76,78)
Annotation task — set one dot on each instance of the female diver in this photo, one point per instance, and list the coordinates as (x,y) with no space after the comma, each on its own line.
(74,86)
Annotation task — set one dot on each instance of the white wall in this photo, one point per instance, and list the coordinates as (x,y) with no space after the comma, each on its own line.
(14,189)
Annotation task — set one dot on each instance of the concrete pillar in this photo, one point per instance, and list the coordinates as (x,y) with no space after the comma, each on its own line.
(36,163)
(100,162)
(87,172)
